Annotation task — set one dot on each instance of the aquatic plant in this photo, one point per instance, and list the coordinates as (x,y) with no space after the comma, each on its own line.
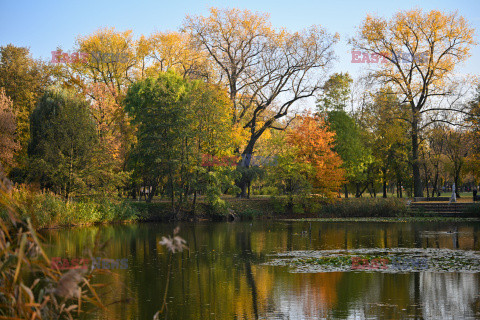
(173,244)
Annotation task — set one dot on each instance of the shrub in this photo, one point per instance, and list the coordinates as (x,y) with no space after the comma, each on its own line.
(46,209)
(366,207)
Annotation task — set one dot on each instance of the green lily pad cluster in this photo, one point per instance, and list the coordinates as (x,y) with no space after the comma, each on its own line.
(391,260)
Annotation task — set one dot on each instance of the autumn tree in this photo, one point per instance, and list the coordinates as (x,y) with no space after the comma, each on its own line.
(107,56)
(457,149)
(8,142)
(313,144)
(24,80)
(108,62)
(433,156)
(177,51)
(265,71)
(422,49)
(110,150)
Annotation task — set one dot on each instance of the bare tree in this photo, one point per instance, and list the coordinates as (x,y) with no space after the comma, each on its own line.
(266,71)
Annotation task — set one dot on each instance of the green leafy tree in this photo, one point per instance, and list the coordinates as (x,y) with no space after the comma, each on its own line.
(63,139)
(388,136)
(336,93)
(178,121)
(348,139)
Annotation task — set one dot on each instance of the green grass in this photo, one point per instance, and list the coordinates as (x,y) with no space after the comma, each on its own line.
(47,210)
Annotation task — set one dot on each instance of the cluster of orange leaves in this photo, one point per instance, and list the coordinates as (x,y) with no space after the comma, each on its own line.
(313,144)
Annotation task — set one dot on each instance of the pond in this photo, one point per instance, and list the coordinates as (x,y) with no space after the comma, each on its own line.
(285,269)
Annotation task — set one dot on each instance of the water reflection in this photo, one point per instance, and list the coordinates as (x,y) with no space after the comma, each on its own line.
(222,276)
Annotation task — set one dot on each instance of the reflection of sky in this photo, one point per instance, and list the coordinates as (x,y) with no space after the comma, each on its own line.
(224,271)
(440,296)
(448,295)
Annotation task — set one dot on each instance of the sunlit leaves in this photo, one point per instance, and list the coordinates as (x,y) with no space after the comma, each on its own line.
(312,144)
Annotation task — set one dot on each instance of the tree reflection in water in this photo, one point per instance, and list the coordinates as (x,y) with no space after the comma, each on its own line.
(223,275)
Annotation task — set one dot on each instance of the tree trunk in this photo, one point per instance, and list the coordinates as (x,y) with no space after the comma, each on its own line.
(346,191)
(457,187)
(384,178)
(194,202)
(151,193)
(417,179)
(245,163)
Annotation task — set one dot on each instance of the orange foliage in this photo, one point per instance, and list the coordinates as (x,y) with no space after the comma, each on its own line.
(313,144)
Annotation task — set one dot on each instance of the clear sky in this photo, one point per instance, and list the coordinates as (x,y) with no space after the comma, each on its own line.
(45,25)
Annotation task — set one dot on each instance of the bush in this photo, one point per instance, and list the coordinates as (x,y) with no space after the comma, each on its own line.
(365,207)
(46,209)
(153,211)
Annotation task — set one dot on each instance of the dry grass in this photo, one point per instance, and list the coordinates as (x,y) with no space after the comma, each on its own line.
(29,287)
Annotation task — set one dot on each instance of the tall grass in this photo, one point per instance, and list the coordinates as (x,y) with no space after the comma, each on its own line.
(30,288)
(46,209)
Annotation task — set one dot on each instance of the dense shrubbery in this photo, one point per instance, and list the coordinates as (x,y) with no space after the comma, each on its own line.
(365,207)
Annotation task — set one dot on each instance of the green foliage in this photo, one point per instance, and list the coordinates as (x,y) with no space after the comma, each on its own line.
(158,108)
(46,209)
(62,144)
(290,176)
(350,145)
(178,121)
(336,93)
(388,135)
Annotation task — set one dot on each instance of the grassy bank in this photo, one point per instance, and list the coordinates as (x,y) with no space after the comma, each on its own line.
(47,210)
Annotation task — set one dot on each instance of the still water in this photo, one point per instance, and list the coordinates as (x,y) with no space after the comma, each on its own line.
(227,271)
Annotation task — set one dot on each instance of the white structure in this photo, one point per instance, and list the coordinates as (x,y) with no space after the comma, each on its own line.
(453,198)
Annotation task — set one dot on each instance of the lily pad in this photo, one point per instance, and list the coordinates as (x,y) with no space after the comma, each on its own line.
(391,260)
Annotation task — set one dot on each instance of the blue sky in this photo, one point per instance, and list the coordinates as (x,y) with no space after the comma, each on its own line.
(45,25)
